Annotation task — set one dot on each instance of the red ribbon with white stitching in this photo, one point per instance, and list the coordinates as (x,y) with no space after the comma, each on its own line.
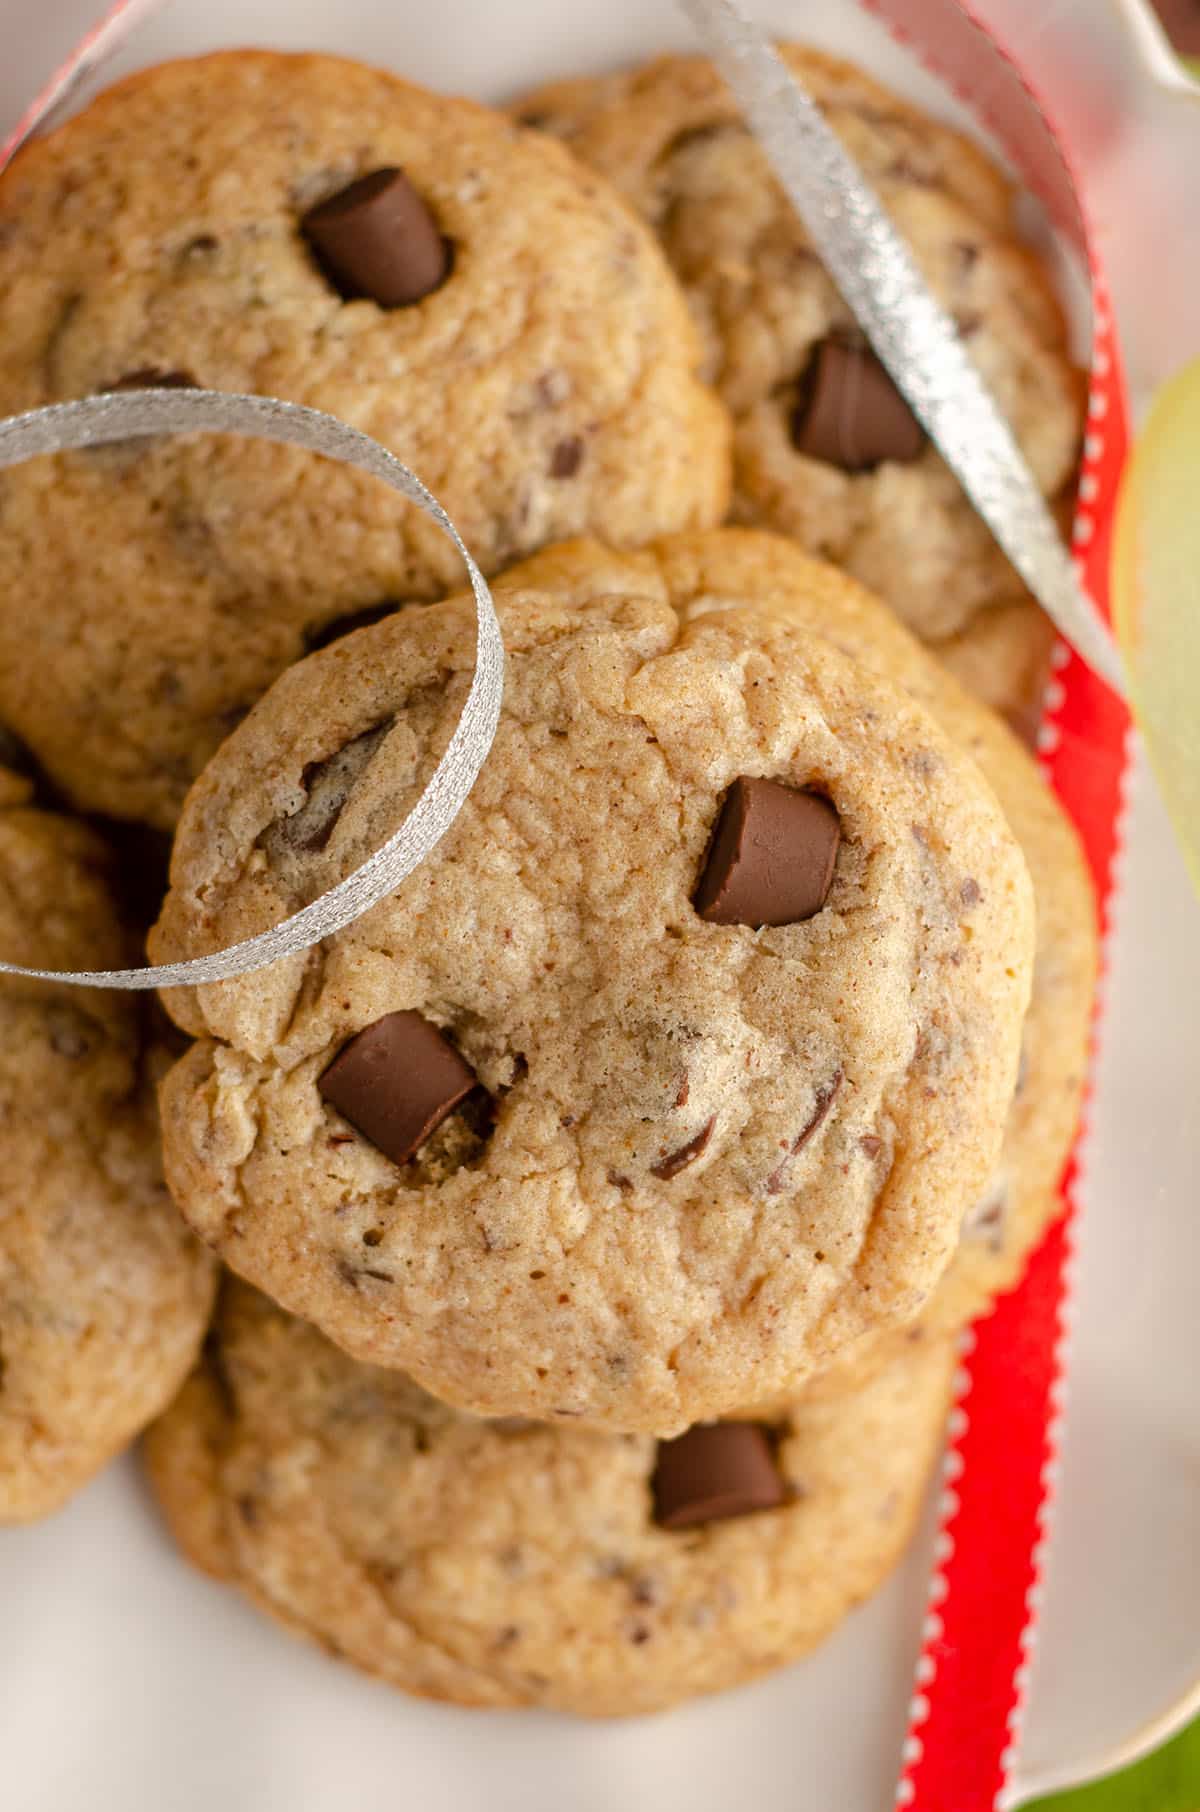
(997,1494)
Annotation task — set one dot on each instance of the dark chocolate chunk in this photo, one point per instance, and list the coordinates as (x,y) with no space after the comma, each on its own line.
(675,1161)
(714,1471)
(566,458)
(327,785)
(771,857)
(850,414)
(377,238)
(396,1082)
(1180,19)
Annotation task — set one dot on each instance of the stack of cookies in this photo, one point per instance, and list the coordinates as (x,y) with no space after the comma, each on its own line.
(598,1214)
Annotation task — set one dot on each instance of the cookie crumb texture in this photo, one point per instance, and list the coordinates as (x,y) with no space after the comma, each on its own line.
(670,136)
(503,1564)
(545,385)
(713,1156)
(104,1295)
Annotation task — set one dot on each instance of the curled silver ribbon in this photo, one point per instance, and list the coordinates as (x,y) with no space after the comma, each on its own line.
(911,332)
(67,426)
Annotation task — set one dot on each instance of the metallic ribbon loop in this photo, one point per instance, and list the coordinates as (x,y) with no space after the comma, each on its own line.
(911,332)
(65,427)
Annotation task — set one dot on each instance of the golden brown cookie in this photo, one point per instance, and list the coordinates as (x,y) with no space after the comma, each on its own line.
(507,1563)
(1014,1210)
(541,380)
(701,572)
(104,1295)
(825,450)
(693,1151)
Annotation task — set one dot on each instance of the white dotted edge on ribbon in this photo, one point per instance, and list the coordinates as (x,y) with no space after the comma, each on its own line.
(97,421)
(932,1628)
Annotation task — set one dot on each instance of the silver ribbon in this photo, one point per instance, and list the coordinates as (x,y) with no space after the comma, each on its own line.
(101,419)
(911,332)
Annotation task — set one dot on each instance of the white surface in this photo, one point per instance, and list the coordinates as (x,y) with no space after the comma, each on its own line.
(128,1684)
(1120,1634)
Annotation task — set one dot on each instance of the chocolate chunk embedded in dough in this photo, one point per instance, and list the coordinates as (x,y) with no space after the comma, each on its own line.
(396,1082)
(771,857)
(377,238)
(715,1471)
(850,414)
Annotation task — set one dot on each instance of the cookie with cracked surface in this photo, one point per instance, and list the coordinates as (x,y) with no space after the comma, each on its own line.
(1013,1211)
(825,450)
(509,1564)
(540,377)
(104,1295)
(655,1187)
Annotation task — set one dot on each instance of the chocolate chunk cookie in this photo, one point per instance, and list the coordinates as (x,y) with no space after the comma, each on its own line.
(825,448)
(104,1295)
(507,1563)
(729,950)
(309,228)
(1020,1199)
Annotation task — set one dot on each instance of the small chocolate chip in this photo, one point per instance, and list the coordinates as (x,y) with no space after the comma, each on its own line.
(396,1082)
(377,238)
(714,1471)
(566,458)
(970,893)
(771,857)
(850,414)
(985,1222)
(675,1161)
(871,1145)
(821,1106)
(149,377)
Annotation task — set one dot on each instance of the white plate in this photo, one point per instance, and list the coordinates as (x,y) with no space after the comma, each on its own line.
(127,1683)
